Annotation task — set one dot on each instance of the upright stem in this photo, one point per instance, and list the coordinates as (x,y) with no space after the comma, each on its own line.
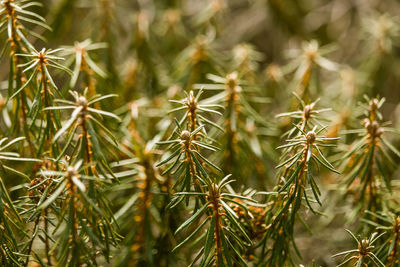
(192,167)
(373,131)
(370,180)
(145,197)
(192,107)
(193,171)
(232,114)
(217,229)
(15,49)
(86,138)
(87,157)
(50,122)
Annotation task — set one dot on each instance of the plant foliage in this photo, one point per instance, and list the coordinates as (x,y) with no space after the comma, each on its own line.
(199,133)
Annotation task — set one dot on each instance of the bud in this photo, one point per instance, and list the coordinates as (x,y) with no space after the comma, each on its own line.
(82,101)
(311,136)
(374,104)
(185,136)
(191,101)
(307,111)
(231,80)
(367,123)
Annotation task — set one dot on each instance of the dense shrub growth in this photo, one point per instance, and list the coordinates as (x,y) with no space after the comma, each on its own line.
(199,133)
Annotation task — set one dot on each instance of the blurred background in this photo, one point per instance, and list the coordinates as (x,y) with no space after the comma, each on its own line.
(149,51)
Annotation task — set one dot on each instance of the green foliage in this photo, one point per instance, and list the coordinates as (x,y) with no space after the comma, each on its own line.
(199,133)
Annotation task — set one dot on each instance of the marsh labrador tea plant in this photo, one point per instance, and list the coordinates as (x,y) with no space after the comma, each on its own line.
(199,133)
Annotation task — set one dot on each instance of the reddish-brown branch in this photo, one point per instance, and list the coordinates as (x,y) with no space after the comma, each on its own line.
(213,198)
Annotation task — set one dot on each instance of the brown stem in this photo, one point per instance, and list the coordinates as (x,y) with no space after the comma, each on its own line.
(145,197)
(86,141)
(46,98)
(192,106)
(372,204)
(217,232)
(192,118)
(191,164)
(232,98)
(16,48)
(193,171)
